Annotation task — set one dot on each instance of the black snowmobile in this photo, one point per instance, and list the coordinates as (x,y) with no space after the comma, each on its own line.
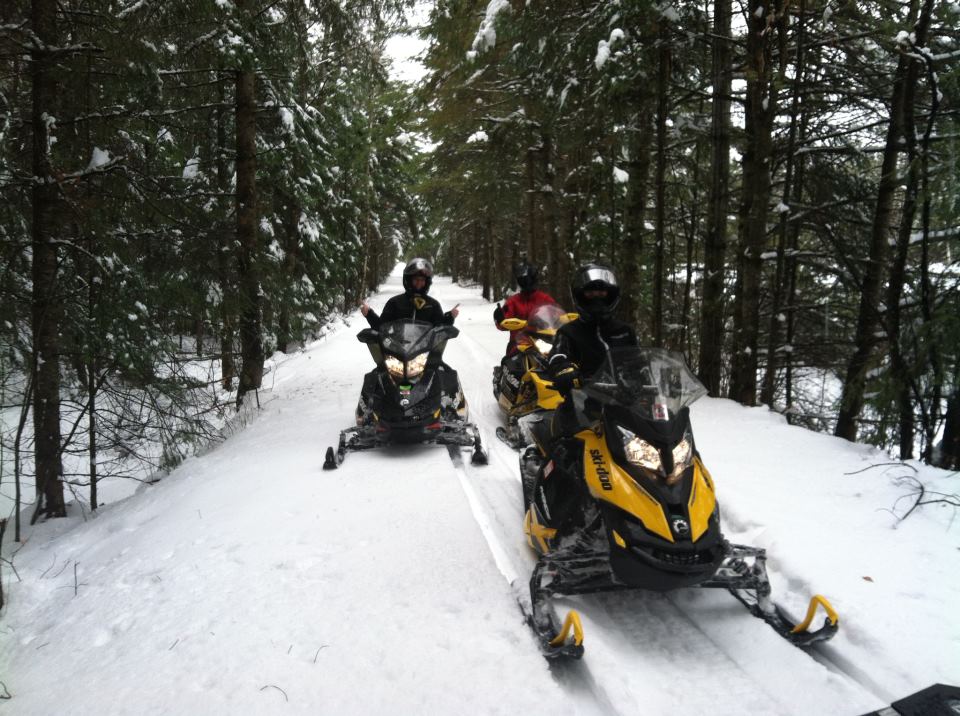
(411,397)
(628,503)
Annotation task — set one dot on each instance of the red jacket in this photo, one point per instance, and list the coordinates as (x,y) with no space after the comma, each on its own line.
(521,305)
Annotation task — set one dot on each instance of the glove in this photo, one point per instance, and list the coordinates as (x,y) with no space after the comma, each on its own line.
(498,314)
(566,376)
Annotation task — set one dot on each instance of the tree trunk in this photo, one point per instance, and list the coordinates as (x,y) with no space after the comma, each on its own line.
(251,343)
(228,370)
(758,119)
(949,453)
(865,340)
(45,303)
(714,251)
(663,78)
(635,213)
(778,286)
(556,253)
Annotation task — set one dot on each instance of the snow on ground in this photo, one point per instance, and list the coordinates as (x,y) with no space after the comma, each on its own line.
(250,581)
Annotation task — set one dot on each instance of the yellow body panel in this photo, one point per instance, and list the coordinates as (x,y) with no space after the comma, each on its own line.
(608,482)
(547,397)
(703,501)
(538,536)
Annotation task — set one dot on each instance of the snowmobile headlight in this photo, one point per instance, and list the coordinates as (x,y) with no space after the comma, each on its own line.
(682,457)
(416,365)
(394,366)
(682,454)
(640,452)
(543,346)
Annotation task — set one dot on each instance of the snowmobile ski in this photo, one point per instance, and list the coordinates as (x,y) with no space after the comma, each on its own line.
(936,700)
(441,432)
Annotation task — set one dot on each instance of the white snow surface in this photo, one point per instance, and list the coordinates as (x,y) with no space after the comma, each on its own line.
(250,581)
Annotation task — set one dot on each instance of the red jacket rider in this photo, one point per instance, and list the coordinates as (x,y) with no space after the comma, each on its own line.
(523,303)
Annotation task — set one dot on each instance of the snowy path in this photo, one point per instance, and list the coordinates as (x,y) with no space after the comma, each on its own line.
(251,581)
(638,642)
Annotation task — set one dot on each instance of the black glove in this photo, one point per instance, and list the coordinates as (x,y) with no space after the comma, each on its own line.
(565,375)
(498,314)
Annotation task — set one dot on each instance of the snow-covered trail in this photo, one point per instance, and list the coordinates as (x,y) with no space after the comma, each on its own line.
(251,581)
(688,652)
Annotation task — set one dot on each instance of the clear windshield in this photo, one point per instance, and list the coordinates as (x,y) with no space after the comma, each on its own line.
(406,338)
(653,382)
(548,317)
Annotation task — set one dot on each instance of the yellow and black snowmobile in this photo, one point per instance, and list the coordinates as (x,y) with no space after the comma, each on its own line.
(626,502)
(523,386)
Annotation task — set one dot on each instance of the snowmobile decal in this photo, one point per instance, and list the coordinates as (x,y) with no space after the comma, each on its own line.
(620,489)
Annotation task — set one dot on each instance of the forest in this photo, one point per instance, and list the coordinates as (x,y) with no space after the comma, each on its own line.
(188,186)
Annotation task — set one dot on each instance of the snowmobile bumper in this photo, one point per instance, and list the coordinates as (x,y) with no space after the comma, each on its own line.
(438,432)
(742,572)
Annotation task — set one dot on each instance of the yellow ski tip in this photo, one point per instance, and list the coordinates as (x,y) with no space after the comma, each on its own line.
(572,621)
(817,600)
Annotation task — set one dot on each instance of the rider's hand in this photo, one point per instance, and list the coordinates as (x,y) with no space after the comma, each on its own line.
(498,315)
(364,308)
(455,311)
(566,376)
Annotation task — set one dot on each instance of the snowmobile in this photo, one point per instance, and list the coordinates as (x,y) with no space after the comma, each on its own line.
(411,397)
(626,502)
(532,391)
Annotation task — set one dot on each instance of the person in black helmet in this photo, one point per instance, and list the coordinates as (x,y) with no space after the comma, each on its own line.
(413,303)
(580,347)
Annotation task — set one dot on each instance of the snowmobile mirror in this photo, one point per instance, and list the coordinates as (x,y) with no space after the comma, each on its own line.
(513,324)
(368,335)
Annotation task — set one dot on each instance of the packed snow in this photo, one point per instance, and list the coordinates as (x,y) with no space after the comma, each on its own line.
(251,581)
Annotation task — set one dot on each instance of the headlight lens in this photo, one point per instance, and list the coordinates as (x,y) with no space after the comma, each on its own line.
(542,345)
(394,366)
(416,365)
(640,452)
(682,454)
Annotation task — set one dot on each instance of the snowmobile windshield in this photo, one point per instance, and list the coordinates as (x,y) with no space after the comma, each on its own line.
(406,339)
(547,318)
(653,382)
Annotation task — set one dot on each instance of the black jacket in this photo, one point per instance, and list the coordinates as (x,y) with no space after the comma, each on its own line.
(410,305)
(583,342)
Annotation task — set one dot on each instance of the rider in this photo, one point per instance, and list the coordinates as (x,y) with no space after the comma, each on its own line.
(581,346)
(413,303)
(520,305)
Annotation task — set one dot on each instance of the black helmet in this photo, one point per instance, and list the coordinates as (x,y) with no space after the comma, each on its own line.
(595,277)
(526,275)
(417,267)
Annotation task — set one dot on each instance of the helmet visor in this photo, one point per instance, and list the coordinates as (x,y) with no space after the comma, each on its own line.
(419,267)
(596,277)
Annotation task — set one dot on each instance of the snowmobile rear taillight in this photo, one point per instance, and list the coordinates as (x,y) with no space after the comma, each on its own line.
(435,426)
